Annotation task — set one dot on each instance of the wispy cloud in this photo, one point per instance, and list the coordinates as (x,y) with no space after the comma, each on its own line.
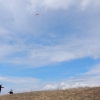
(26,39)
(83,47)
(88,79)
(19,84)
(18,80)
(64,4)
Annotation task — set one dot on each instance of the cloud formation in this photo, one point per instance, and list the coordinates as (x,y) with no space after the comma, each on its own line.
(88,79)
(18,80)
(54,36)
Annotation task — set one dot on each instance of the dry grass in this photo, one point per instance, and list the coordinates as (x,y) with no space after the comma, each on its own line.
(70,94)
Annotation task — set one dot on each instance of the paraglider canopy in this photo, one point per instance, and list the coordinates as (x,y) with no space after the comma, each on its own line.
(37,14)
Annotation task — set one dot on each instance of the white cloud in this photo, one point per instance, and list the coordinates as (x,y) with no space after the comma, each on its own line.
(18,26)
(19,84)
(94,70)
(63,4)
(56,4)
(89,79)
(65,85)
(39,55)
(76,85)
(17,80)
(26,84)
(42,55)
(88,3)
(50,87)
(77,48)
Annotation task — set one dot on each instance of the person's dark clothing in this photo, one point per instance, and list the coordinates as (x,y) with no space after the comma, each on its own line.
(1,87)
(10,92)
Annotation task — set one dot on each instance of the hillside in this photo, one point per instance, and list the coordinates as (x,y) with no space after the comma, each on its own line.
(69,94)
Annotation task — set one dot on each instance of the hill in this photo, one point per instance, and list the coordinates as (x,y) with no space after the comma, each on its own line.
(68,94)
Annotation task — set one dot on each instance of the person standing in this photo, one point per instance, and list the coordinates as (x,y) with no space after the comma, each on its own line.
(1,87)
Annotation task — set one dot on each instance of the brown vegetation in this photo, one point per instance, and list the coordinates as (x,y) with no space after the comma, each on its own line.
(68,94)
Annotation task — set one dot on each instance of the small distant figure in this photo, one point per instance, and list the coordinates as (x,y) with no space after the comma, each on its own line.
(11,91)
(1,87)
(37,14)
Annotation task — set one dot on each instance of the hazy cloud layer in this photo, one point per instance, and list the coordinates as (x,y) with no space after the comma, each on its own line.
(64,30)
(90,78)
(19,84)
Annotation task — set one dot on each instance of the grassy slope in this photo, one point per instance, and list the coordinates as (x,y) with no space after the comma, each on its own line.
(70,94)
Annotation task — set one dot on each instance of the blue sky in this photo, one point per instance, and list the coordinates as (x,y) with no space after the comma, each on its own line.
(58,49)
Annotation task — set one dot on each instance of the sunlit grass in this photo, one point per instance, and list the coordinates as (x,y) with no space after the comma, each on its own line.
(68,94)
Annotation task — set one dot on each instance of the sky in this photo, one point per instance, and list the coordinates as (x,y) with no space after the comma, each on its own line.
(58,49)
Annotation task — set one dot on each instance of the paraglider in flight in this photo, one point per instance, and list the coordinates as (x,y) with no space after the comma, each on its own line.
(37,14)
